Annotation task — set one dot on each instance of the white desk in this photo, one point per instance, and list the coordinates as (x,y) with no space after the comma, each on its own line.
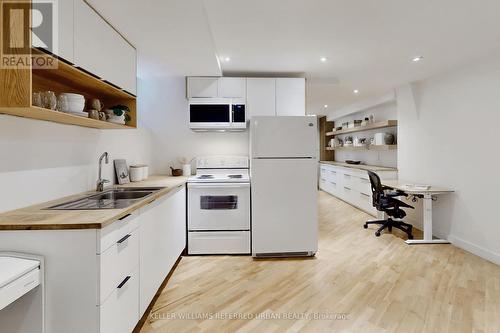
(427,207)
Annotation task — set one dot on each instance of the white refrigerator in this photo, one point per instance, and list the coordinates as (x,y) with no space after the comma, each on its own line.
(283,169)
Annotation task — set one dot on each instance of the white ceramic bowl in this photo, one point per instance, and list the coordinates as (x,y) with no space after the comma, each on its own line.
(73,96)
(75,106)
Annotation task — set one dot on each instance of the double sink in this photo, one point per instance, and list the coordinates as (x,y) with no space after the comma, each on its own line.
(117,198)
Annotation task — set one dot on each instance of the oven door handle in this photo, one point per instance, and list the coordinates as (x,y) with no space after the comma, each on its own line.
(219,185)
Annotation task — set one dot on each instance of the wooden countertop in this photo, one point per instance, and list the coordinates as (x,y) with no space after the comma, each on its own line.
(373,168)
(36,218)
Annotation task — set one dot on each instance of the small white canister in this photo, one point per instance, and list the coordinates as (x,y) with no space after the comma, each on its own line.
(186,170)
(136,173)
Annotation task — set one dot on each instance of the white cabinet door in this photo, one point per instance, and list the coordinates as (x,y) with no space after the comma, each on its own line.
(120,312)
(232,87)
(261,97)
(65,35)
(99,49)
(162,239)
(290,97)
(202,87)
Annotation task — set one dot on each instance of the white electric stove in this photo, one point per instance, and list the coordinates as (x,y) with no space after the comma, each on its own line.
(219,206)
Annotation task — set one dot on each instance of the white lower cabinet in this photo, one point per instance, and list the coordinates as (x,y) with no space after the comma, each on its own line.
(351,185)
(162,240)
(135,255)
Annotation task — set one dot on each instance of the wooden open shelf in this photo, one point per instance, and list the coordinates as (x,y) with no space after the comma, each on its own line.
(19,84)
(35,112)
(380,124)
(364,148)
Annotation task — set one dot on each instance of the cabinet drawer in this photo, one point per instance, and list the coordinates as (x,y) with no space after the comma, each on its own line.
(116,262)
(362,185)
(120,312)
(322,184)
(111,234)
(219,242)
(332,187)
(331,175)
(365,203)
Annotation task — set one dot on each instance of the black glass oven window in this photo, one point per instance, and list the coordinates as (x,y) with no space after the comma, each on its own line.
(209,113)
(219,202)
(238,113)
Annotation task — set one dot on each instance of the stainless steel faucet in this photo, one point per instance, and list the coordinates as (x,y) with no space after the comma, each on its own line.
(100,181)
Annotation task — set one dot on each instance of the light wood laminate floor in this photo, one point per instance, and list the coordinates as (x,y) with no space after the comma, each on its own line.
(380,284)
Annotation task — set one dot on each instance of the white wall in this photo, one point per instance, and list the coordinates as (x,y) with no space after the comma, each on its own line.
(381,158)
(167,117)
(42,161)
(449,137)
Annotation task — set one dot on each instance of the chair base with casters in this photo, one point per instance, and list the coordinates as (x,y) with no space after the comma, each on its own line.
(389,224)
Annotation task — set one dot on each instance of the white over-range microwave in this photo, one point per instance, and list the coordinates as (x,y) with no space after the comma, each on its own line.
(217,114)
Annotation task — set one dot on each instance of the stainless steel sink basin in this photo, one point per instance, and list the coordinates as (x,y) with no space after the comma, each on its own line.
(111,199)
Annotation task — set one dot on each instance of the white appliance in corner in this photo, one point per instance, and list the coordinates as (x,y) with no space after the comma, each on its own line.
(219,206)
(283,171)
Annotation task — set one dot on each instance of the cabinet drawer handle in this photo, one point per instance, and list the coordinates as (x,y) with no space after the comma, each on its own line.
(333,171)
(124,238)
(333,183)
(347,175)
(123,282)
(124,217)
(347,188)
(366,195)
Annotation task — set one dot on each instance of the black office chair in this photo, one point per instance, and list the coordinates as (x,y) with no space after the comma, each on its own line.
(384,200)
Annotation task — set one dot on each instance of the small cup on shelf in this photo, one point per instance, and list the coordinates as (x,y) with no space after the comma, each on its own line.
(37,99)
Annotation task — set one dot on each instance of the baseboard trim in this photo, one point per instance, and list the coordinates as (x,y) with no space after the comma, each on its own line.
(142,321)
(475,249)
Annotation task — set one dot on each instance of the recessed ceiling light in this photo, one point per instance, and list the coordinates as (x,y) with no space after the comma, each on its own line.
(323,59)
(417,58)
(326,105)
(356,91)
(226,59)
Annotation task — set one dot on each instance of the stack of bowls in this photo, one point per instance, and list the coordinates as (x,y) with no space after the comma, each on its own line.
(75,103)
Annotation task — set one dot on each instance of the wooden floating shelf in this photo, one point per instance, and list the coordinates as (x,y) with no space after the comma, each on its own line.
(35,112)
(18,85)
(364,148)
(380,124)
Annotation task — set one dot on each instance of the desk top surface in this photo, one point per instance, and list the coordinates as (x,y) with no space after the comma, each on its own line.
(407,186)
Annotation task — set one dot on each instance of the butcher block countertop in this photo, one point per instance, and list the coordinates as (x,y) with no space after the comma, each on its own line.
(37,218)
(373,168)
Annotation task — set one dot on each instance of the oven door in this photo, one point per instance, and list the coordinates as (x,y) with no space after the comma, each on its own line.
(209,115)
(218,206)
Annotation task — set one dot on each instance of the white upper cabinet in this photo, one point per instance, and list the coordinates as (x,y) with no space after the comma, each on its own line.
(204,87)
(99,49)
(232,87)
(261,97)
(66,20)
(290,96)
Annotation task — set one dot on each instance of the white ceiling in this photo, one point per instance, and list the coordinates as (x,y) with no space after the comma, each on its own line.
(369,43)
(171,36)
